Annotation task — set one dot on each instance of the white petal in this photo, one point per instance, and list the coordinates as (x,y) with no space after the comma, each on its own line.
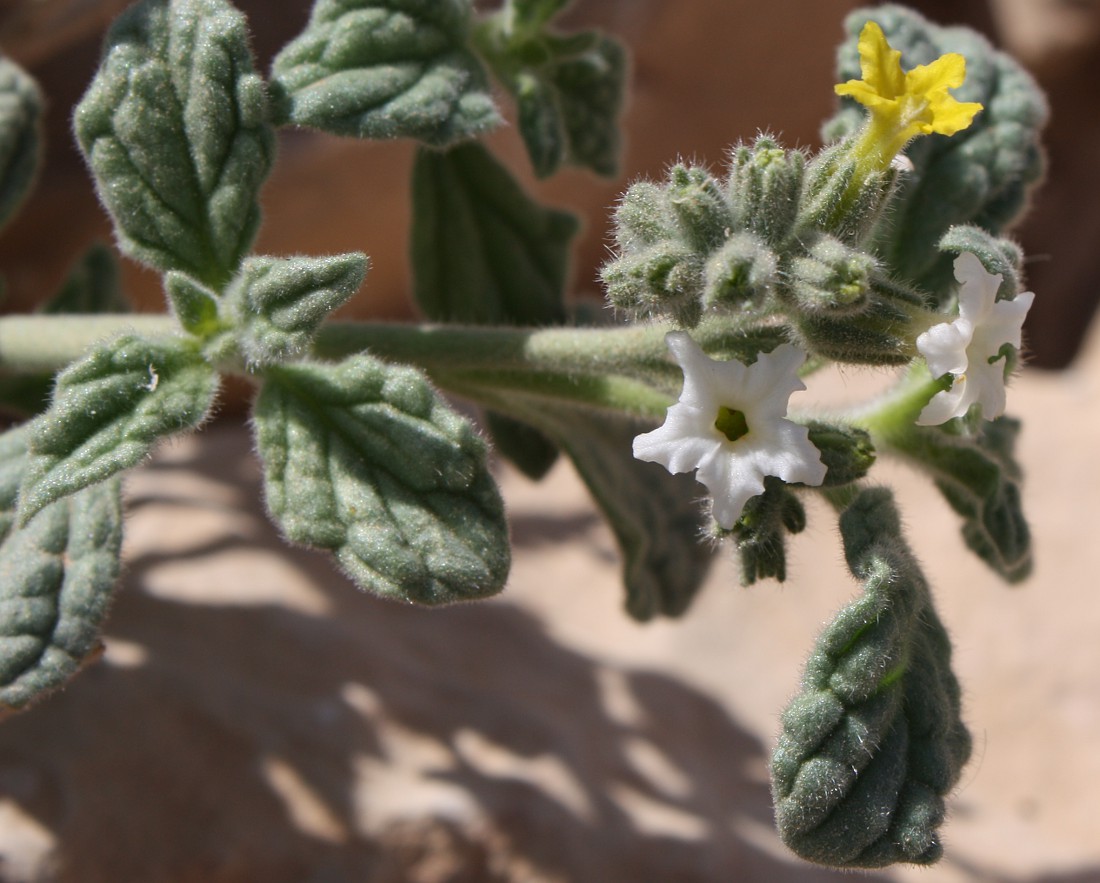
(978,289)
(945,406)
(944,347)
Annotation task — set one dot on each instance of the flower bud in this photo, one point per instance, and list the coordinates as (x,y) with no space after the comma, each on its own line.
(764,185)
(741,271)
(699,207)
(831,278)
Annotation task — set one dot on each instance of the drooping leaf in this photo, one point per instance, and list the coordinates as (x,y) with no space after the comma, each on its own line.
(980,479)
(385,69)
(874,741)
(364,459)
(56,577)
(485,253)
(174,127)
(20,113)
(108,410)
(92,286)
(280,302)
(655,516)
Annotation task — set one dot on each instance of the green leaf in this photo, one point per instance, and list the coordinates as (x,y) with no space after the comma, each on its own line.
(56,578)
(175,129)
(194,305)
(280,302)
(980,478)
(484,253)
(20,115)
(385,69)
(875,740)
(761,532)
(92,287)
(366,460)
(108,410)
(655,516)
(569,89)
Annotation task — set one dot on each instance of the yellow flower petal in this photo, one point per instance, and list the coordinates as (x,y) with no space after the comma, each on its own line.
(881,65)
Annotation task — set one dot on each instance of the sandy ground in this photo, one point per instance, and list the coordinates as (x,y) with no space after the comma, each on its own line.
(256,718)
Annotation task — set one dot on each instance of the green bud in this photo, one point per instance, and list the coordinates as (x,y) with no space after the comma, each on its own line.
(642,216)
(872,337)
(833,203)
(744,269)
(831,278)
(764,185)
(699,206)
(663,279)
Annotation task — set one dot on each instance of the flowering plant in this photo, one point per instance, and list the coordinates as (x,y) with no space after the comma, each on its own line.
(885,249)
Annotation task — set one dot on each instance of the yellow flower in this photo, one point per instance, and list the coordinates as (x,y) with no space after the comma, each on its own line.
(905,105)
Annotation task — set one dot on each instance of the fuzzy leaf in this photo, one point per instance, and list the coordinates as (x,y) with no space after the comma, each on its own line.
(175,129)
(875,740)
(980,478)
(364,459)
(108,410)
(485,253)
(20,114)
(385,69)
(92,287)
(655,516)
(56,578)
(280,302)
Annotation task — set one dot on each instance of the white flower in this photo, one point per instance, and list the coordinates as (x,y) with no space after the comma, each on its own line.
(730,427)
(968,347)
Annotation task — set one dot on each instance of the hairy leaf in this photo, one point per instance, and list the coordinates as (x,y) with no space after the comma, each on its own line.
(174,127)
(56,577)
(194,305)
(280,302)
(366,460)
(485,253)
(20,114)
(874,741)
(385,69)
(980,478)
(108,410)
(92,286)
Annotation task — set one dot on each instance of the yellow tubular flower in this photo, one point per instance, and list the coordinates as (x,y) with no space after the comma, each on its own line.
(904,105)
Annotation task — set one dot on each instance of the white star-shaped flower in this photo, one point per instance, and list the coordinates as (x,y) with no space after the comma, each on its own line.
(729,426)
(968,347)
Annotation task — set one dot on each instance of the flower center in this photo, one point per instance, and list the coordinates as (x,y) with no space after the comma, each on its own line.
(731,423)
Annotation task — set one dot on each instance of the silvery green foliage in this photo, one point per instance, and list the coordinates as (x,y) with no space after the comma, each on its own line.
(91,287)
(874,741)
(763,240)
(385,69)
(108,410)
(56,577)
(366,460)
(569,88)
(174,127)
(655,516)
(278,303)
(981,176)
(20,112)
(484,252)
(978,475)
(195,306)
